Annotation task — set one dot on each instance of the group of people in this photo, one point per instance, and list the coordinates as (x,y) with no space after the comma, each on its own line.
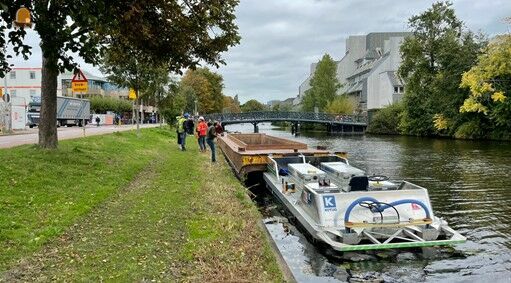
(206,132)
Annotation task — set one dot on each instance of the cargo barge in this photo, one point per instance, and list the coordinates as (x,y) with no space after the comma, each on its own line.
(339,204)
(248,153)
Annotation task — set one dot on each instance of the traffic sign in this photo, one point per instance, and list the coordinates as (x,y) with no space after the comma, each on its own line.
(132,95)
(79,83)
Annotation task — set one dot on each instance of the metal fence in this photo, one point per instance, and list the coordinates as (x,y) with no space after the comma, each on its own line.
(285,116)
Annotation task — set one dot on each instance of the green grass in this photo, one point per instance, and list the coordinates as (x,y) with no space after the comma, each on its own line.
(118,208)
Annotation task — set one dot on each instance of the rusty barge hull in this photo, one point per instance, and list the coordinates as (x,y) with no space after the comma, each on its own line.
(248,153)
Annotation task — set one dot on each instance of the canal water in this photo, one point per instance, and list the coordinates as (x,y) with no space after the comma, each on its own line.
(469,184)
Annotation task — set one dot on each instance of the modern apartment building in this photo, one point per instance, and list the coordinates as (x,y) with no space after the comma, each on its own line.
(368,70)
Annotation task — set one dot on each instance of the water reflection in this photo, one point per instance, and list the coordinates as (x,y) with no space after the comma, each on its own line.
(469,186)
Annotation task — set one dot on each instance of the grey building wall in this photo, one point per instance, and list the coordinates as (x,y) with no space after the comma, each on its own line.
(363,69)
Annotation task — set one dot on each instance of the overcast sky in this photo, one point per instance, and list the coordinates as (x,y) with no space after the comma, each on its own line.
(281,38)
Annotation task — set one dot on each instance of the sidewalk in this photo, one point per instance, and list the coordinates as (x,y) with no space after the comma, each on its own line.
(32,136)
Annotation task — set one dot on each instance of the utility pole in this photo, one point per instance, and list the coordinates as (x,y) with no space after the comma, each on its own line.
(6,112)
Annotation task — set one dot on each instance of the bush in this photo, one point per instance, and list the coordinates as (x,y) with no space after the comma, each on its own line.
(101,104)
(469,130)
(342,104)
(386,120)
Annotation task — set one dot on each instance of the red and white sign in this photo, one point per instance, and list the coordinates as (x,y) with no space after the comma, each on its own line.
(79,83)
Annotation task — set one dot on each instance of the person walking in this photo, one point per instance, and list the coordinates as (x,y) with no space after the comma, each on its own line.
(202,129)
(177,132)
(181,130)
(210,140)
(98,120)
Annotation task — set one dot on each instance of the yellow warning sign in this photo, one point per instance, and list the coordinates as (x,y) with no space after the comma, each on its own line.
(132,95)
(80,86)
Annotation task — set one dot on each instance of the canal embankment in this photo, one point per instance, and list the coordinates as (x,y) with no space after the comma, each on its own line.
(117,207)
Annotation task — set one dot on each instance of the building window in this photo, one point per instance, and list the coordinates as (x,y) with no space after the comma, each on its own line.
(396,89)
(402,89)
(32,75)
(13,75)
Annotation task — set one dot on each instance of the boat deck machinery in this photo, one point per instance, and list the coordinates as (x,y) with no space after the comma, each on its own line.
(341,206)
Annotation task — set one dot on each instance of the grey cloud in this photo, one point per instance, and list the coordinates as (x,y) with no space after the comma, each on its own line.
(281,38)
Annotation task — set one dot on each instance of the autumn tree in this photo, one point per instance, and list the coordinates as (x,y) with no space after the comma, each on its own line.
(433,59)
(489,82)
(231,105)
(324,85)
(216,85)
(204,87)
(179,34)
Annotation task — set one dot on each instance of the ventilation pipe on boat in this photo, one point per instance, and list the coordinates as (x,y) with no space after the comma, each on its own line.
(380,207)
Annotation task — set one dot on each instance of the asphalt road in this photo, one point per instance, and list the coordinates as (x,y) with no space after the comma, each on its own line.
(31,135)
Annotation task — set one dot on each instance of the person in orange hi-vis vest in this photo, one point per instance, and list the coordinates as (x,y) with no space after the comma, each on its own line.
(201,130)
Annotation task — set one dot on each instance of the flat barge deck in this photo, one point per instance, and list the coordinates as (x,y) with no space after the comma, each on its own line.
(248,153)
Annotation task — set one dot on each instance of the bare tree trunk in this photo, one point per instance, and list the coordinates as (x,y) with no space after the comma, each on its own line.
(142,111)
(48,121)
(137,106)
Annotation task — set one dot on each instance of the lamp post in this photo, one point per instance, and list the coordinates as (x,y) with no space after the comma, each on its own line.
(195,110)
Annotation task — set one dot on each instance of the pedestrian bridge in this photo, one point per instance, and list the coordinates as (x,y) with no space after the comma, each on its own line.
(354,124)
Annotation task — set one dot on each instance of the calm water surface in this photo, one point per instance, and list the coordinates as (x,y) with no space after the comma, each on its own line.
(469,184)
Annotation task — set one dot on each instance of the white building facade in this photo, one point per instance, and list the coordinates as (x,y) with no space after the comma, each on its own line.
(25,83)
(24,87)
(368,70)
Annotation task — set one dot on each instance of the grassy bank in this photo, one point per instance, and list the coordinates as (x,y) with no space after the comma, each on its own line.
(125,209)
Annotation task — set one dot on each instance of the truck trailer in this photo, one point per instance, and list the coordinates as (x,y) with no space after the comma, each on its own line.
(70,112)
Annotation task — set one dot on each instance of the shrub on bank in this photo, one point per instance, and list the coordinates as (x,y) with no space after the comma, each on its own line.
(386,120)
(102,104)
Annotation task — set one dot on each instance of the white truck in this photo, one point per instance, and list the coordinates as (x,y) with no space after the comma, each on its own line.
(70,112)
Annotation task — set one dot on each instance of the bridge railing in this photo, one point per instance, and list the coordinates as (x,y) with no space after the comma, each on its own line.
(292,116)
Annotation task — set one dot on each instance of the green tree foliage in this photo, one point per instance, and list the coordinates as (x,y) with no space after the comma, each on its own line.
(100,104)
(434,58)
(386,120)
(177,34)
(341,104)
(134,72)
(489,103)
(281,107)
(324,85)
(203,86)
(252,106)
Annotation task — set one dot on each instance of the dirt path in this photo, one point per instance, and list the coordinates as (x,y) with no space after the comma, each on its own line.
(181,219)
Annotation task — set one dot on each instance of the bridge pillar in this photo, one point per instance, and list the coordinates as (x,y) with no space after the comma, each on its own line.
(329,128)
(256,128)
(295,128)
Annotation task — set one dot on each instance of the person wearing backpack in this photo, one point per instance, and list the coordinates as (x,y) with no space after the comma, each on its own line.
(181,130)
(210,140)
